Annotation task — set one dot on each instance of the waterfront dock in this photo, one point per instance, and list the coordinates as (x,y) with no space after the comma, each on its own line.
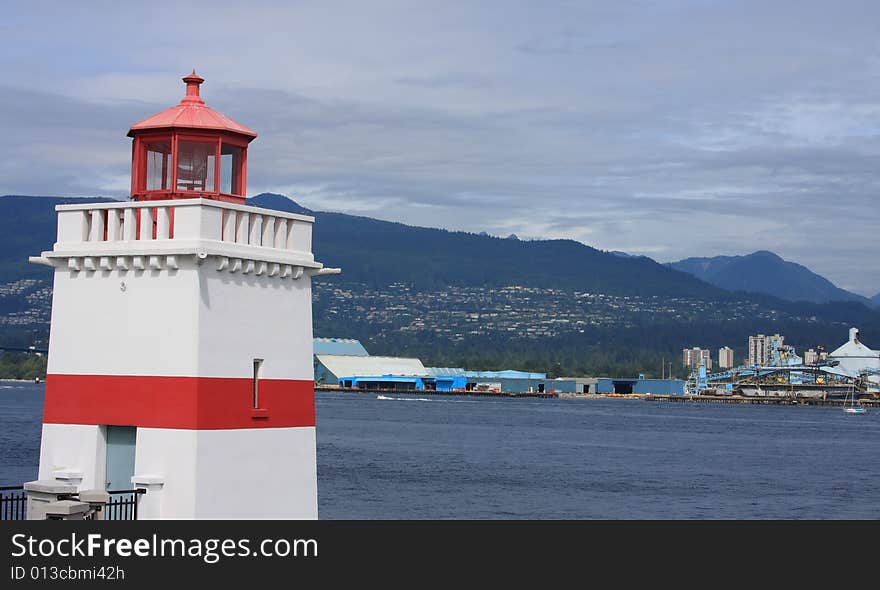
(471,393)
(699,399)
(728,399)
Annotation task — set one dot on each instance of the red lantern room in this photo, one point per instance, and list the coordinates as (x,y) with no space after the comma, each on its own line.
(188,151)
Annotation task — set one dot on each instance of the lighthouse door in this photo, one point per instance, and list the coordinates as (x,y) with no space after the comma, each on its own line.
(120,456)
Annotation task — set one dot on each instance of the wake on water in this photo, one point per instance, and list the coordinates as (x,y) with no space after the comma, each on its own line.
(439,401)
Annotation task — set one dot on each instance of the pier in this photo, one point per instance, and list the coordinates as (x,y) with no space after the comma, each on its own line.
(658,398)
(428,392)
(731,399)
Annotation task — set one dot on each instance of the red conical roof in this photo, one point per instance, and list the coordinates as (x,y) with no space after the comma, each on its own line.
(191,113)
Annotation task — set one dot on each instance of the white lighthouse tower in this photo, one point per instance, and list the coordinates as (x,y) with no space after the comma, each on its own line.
(180,352)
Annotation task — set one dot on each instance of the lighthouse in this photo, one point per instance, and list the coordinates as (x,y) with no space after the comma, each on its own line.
(180,350)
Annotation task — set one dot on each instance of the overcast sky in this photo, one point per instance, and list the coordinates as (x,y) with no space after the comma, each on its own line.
(673,128)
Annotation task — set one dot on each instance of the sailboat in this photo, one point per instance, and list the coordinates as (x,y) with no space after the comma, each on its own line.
(853,407)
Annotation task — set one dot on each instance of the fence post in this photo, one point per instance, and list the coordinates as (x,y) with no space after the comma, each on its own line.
(41,493)
(97,500)
(150,503)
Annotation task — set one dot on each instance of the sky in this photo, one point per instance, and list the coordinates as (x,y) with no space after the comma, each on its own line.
(672,129)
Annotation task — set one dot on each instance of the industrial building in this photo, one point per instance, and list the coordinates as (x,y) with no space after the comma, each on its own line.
(348,370)
(854,358)
(776,370)
(346,363)
(575,384)
(640,386)
(341,362)
(447,379)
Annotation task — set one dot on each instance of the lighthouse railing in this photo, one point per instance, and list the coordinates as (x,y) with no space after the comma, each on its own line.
(105,225)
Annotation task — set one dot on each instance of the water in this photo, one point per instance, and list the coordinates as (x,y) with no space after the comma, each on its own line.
(418,457)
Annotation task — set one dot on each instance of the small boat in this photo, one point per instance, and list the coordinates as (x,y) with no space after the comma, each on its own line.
(853,407)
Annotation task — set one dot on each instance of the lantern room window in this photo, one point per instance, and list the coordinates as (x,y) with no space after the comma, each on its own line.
(189,151)
(195,166)
(158,156)
(230,169)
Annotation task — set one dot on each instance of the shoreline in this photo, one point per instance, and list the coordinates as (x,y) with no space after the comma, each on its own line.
(658,398)
(725,399)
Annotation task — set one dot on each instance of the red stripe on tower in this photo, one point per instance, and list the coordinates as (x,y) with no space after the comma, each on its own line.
(193,403)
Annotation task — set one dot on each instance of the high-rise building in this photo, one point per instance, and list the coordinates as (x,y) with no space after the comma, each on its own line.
(811,357)
(757,350)
(696,356)
(725,358)
(761,349)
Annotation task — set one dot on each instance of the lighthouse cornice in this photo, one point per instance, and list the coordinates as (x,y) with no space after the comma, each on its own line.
(200,249)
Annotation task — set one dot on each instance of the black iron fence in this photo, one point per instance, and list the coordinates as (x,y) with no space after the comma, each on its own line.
(123,504)
(13,503)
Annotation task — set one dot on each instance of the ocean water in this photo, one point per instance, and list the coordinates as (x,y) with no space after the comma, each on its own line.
(446,457)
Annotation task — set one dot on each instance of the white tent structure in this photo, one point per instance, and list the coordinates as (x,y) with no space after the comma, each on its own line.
(329,368)
(854,358)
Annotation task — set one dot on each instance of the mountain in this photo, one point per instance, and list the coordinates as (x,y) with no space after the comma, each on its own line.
(37,214)
(376,252)
(627,255)
(463,299)
(876,298)
(766,272)
(278,203)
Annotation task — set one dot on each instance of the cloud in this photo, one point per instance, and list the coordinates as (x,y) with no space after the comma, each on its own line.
(669,129)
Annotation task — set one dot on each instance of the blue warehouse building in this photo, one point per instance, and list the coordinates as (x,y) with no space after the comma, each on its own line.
(640,385)
(447,379)
(342,362)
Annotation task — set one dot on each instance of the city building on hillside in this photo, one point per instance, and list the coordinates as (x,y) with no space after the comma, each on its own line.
(725,358)
(696,357)
(761,348)
(811,357)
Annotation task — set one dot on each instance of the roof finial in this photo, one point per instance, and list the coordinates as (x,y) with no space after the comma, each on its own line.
(192,88)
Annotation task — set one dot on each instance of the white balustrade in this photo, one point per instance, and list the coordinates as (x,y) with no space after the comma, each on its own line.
(198,219)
